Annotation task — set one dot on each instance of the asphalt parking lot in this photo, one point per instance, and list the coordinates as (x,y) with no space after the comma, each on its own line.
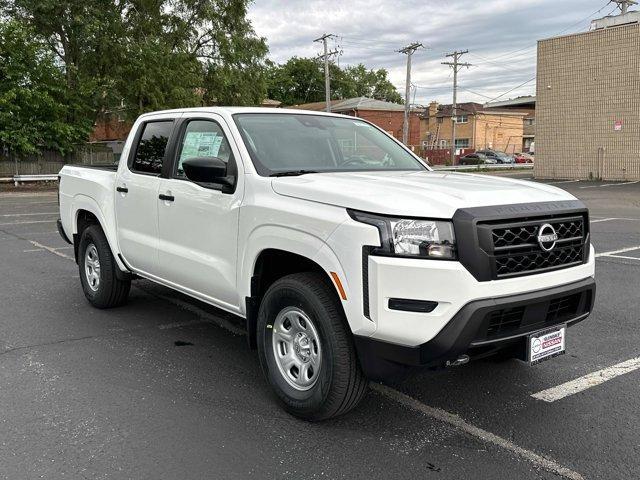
(165,388)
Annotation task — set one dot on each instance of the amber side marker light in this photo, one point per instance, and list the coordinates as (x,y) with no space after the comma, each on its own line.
(336,280)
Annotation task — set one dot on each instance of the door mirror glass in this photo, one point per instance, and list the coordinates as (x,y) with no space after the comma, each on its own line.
(205,169)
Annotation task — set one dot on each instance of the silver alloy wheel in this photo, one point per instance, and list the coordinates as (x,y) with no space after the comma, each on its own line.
(296,348)
(92,267)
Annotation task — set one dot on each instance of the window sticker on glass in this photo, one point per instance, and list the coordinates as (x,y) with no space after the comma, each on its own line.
(201,144)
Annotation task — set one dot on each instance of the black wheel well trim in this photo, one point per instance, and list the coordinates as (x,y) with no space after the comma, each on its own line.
(84,219)
(266,272)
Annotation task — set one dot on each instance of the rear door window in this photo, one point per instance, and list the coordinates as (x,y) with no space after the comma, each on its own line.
(151,147)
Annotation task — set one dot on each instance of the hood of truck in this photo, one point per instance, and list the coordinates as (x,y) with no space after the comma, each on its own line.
(426,194)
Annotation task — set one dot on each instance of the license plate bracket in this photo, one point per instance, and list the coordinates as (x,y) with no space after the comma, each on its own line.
(545,344)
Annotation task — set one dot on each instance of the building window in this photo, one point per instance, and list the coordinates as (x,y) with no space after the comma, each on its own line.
(443,143)
(439,120)
(530,122)
(462,143)
(461,119)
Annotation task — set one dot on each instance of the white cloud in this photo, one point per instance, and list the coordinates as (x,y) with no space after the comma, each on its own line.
(500,35)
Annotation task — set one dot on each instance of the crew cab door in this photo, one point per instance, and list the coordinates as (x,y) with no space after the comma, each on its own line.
(198,223)
(136,196)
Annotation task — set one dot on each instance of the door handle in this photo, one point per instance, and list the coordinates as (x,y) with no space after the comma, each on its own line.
(122,189)
(166,198)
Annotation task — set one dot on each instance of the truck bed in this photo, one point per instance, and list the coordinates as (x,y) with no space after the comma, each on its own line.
(90,188)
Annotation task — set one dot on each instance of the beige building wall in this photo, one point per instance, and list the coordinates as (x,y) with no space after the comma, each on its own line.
(501,132)
(463,130)
(484,130)
(588,105)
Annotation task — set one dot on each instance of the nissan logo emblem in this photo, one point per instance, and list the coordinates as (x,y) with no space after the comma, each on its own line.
(547,237)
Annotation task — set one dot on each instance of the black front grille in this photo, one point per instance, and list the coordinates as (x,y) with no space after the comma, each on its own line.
(519,235)
(515,250)
(509,265)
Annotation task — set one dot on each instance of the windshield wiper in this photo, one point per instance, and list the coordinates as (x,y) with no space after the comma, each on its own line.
(291,173)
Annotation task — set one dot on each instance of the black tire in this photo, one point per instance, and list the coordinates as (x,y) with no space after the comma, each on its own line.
(110,291)
(340,383)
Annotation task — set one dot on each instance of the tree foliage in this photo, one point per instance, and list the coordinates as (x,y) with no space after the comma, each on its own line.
(141,55)
(361,82)
(301,80)
(34,105)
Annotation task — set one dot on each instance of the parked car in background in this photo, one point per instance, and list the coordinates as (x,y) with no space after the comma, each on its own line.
(499,157)
(476,159)
(523,158)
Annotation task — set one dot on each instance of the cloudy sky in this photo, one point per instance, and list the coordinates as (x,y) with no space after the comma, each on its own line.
(499,34)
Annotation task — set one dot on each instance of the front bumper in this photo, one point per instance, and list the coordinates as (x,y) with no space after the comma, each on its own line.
(476,328)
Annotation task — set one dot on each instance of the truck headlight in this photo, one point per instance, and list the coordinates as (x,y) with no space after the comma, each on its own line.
(411,237)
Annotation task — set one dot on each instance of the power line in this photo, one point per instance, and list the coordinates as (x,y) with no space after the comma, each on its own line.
(624,5)
(512,89)
(325,57)
(456,66)
(506,55)
(408,51)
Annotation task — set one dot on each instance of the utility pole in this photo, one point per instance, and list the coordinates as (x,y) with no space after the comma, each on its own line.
(456,65)
(408,51)
(624,5)
(325,56)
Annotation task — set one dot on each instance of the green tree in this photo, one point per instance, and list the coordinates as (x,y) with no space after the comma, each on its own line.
(85,37)
(301,80)
(34,104)
(150,54)
(358,81)
(234,57)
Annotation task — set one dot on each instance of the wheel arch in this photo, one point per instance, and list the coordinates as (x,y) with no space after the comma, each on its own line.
(85,212)
(274,261)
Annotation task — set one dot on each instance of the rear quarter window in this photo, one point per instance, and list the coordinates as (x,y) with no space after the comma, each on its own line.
(151,147)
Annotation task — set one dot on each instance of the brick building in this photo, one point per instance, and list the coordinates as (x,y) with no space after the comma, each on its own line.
(476,127)
(588,102)
(386,115)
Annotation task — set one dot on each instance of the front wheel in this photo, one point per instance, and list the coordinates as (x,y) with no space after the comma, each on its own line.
(306,349)
(100,283)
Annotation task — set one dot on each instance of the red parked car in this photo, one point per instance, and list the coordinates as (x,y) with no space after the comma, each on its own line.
(523,157)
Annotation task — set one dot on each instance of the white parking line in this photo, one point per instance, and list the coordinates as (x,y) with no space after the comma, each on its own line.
(617,184)
(479,433)
(564,181)
(587,381)
(626,219)
(603,220)
(613,252)
(624,257)
(27,214)
(27,223)
(51,250)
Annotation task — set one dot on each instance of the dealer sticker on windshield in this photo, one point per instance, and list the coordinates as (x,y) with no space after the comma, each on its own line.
(546,344)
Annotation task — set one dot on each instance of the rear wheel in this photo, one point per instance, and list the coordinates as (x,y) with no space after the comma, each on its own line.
(100,284)
(306,349)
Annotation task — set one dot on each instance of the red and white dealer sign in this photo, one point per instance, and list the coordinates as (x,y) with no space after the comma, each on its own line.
(546,344)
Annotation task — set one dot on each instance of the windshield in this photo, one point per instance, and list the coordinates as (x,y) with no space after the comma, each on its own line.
(280,142)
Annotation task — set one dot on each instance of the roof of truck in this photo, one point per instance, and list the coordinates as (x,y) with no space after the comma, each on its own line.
(232,110)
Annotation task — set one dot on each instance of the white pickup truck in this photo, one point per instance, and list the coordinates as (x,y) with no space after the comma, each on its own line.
(346,254)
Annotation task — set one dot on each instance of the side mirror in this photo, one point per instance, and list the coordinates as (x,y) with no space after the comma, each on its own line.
(205,169)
